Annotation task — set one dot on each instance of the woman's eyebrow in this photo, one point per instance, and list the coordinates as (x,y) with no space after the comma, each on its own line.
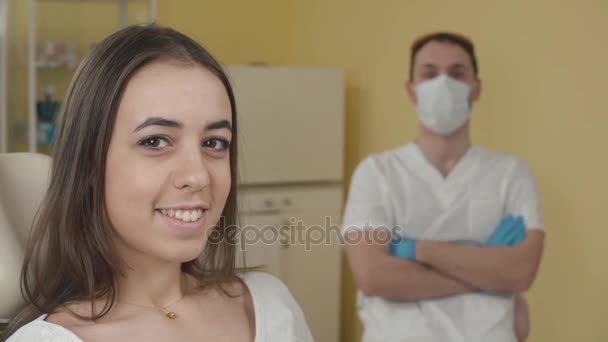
(158,121)
(219,125)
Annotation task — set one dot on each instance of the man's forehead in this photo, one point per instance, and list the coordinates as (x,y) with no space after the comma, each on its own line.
(442,54)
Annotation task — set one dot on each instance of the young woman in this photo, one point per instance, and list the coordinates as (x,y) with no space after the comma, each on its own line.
(135,239)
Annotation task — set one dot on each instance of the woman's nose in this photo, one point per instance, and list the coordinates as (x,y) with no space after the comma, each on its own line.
(191,172)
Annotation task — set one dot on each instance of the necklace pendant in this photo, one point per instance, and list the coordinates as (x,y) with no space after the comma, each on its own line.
(169,314)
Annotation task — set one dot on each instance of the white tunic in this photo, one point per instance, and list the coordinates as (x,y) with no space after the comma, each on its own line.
(401,190)
(277,316)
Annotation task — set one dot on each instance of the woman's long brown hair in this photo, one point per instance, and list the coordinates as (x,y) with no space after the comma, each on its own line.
(70,257)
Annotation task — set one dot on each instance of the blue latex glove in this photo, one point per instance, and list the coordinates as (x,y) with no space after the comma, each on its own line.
(511,231)
(403,248)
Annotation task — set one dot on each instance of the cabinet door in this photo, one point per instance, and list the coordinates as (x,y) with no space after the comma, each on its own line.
(257,244)
(309,251)
(311,267)
(290,123)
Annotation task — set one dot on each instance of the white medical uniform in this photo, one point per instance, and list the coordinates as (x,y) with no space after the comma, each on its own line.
(401,189)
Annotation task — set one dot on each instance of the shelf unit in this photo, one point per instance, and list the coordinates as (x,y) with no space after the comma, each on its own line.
(22,23)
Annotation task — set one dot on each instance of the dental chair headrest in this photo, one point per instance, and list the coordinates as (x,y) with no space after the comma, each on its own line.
(23,182)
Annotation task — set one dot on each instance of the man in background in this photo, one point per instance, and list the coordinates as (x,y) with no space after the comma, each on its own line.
(468,236)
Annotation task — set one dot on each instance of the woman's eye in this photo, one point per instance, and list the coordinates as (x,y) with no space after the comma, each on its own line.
(217,144)
(154,143)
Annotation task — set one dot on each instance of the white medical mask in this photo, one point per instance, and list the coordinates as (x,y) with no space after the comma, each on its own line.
(442,104)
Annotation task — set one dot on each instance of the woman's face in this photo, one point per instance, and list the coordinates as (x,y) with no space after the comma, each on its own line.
(167,173)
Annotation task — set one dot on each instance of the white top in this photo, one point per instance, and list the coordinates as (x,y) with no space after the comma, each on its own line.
(277,316)
(401,190)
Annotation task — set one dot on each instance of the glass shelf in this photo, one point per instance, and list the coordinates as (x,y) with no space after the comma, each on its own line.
(31,24)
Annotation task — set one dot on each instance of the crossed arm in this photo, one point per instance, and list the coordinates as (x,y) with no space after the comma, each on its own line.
(496,269)
(444,269)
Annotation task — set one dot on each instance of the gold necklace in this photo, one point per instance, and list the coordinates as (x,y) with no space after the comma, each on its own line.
(168,313)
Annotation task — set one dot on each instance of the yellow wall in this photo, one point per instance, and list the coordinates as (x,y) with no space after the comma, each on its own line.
(545,82)
(235,31)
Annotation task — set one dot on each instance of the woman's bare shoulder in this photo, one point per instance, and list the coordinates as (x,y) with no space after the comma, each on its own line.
(67,315)
(77,318)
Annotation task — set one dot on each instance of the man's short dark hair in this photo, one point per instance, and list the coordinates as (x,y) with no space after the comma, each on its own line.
(453,38)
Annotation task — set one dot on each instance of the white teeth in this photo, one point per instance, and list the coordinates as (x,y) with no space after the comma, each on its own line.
(184,215)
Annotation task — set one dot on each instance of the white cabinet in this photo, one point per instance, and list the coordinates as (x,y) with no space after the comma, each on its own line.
(41,42)
(291,152)
(290,123)
(293,231)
